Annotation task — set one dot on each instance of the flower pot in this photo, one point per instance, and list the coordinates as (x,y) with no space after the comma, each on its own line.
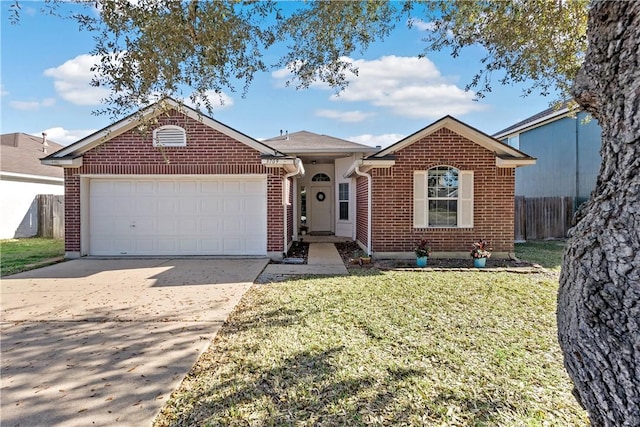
(421,261)
(479,262)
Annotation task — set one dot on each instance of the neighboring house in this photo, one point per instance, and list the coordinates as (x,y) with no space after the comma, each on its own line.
(568,151)
(22,178)
(190,185)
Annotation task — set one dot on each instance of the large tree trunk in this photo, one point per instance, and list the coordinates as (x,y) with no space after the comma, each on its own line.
(599,297)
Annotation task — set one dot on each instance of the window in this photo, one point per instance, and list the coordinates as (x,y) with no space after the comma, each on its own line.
(169,136)
(343,200)
(514,141)
(443,197)
(321,177)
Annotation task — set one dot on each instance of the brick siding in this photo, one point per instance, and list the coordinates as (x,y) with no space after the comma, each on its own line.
(208,152)
(392,197)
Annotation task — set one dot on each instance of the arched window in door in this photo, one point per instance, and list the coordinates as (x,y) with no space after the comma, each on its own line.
(321,177)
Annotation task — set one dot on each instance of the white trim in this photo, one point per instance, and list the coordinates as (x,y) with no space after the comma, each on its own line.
(513,163)
(365,165)
(149,112)
(65,163)
(535,123)
(460,128)
(23,177)
(168,176)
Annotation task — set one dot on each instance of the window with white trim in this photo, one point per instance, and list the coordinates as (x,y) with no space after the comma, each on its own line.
(443,197)
(169,136)
(343,201)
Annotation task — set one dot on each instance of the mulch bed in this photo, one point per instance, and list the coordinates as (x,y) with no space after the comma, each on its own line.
(299,250)
(348,249)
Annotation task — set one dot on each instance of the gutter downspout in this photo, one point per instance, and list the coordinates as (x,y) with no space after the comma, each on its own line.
(285,199)
(357,171)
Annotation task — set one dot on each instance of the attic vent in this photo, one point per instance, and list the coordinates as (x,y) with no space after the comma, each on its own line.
(169,136)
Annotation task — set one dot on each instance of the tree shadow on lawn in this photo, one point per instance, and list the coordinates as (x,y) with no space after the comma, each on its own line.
(310,388)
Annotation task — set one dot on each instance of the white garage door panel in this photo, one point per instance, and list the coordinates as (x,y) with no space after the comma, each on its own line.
(208,216)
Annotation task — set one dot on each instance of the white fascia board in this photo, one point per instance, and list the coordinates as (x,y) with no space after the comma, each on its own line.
(534,124)
(65,163)
(460,128)
(151,111)
(12,176)
(289,164)
(367,164)
(514,163)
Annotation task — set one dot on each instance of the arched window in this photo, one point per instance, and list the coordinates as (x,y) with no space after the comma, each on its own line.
(443,197)
(320,177)
(169,136)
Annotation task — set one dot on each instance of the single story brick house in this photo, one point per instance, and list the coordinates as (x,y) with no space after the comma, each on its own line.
(169,180)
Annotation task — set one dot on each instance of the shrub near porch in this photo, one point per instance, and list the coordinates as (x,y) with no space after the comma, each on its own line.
(399,348)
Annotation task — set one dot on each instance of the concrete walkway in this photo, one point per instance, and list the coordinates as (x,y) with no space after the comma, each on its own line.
(323,260)
(96,342)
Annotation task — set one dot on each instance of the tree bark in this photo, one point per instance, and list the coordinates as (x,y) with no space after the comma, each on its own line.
(599,296)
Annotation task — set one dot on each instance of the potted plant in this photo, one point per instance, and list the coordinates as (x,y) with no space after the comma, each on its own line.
(423,250)
(480,253)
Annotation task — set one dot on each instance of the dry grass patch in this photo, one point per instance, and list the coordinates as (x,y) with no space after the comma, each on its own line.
(399,348)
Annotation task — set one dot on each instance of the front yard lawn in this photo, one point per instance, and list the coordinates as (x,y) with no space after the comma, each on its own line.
(393,348)
(547,253)
(17,255)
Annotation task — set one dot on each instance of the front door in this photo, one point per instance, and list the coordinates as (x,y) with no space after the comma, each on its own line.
(321,208)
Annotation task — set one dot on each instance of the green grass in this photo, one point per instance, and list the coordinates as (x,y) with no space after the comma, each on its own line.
(399,348)
(547,253)
(16,255)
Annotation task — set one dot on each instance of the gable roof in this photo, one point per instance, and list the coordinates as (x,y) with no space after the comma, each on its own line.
(506,155)
(548,115)
(77,149)
(309,142)
(21,154)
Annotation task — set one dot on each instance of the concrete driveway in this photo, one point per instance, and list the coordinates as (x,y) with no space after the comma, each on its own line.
(105,342)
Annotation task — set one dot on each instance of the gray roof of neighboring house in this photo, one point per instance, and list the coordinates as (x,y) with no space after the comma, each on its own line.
(548,113)
(21,153)
(309,142)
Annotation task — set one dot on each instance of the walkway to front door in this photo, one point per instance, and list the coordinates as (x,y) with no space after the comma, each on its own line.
(323,259)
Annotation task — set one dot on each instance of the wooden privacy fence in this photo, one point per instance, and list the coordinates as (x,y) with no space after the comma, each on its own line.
(50,216)
(542,217)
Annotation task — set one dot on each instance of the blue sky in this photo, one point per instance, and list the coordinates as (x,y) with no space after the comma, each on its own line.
(45,87)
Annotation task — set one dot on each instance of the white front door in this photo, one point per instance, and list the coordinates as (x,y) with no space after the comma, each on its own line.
(178,216)
(321,208)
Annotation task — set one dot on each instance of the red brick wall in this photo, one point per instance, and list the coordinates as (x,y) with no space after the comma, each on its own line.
(393,197)
(207,152)
(362,210)
(290,218)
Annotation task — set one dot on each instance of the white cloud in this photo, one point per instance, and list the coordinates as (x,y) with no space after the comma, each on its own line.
(383,140)
(409,87)
(219,101)
(72,80)
(32,105)
(3,92)
(406,86)
(344,116)
(423,26)
(65,136)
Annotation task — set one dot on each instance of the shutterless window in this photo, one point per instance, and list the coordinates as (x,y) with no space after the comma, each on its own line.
(442,193)
(343,200)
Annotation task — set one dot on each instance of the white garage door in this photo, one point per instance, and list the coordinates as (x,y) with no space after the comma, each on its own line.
(178,216)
